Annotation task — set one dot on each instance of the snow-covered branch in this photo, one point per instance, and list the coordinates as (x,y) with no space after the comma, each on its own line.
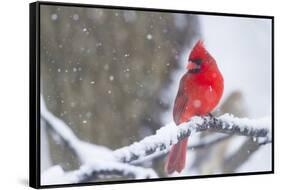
(170,134)
(90,172)
(96,160)
(204,143)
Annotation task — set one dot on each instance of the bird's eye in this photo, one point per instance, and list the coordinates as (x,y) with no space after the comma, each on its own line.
(194,71)
(197,61)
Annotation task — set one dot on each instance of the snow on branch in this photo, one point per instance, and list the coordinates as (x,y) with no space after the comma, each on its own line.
(96,160)
(100,161)
(204,143)
(170,134)
(90,172)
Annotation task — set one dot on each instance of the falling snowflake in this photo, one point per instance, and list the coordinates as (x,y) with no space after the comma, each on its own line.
(75,17)
(98,44)
(54,16)
(72,104)
(88,114)
(111,77)
(149,36)
(106,67)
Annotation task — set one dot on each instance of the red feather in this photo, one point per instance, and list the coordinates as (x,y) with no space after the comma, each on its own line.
(199,93)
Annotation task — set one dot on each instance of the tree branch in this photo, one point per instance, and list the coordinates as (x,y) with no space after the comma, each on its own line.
(115,162)
(90,172)
(96,160)
(204,143)
(170,134)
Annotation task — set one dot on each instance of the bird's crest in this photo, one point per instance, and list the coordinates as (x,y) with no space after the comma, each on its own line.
(198,50)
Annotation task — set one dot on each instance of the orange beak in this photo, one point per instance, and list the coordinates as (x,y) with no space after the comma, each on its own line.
(191,66)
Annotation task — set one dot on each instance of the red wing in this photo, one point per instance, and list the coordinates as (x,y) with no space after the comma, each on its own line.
(180,105)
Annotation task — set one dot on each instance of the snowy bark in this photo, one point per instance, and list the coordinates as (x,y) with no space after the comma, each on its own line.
(96,160)
(99,161)
(90,172)
(170,134)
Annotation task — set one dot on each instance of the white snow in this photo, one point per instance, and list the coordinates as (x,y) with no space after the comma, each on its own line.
(264,122)
(56,175)
(92,157)
(53,175)
(54,16)
(75,17)
(59,125)
(242,49)
(167,135)
(111,77)
(149,36)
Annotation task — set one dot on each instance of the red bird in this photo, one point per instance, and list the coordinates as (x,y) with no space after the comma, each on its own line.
(200,90)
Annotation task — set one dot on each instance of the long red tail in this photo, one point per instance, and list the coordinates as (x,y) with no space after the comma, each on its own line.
(176,157)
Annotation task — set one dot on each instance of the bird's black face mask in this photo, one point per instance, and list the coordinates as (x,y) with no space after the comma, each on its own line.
(194,65)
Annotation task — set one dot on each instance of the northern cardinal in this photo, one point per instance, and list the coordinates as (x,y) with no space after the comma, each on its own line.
(200,90)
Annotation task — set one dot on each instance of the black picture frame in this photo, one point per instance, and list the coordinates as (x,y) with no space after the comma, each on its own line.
(34,98)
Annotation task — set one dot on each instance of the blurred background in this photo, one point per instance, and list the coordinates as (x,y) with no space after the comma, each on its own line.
(112,76)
